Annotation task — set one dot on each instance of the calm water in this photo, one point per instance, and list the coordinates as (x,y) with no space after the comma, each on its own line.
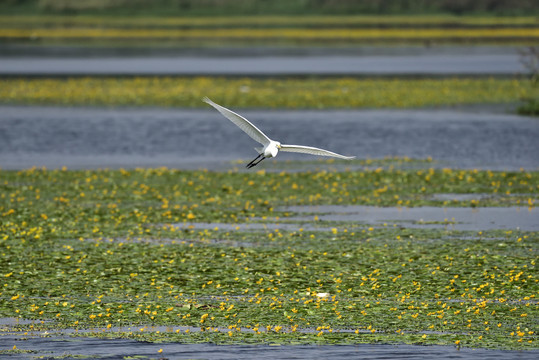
(462,219)
(349,65)
(120,349)
(181,138)
(473,219)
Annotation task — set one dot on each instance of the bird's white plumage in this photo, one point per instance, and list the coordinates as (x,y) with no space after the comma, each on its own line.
(271,147)
(313,151)
(241,122)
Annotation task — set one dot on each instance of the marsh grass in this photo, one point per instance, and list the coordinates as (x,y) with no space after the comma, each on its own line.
(352,35)
(266,93)
(93,250)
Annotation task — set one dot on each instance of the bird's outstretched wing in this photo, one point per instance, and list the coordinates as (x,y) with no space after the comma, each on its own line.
(313,151)
(241,122)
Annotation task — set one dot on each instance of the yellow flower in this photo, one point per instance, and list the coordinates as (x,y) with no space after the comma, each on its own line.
(203,318)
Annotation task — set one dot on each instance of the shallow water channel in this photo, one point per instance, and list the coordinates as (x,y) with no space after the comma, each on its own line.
(112,349)
(426,217)
(508,218)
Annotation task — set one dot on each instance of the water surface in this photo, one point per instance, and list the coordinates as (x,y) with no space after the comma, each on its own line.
(346,65)
(68,348)
(456,218)
(180,138)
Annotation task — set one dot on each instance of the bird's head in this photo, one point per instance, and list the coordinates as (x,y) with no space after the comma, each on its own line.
(278,145)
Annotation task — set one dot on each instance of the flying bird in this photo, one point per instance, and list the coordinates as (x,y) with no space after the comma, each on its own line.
(269,148)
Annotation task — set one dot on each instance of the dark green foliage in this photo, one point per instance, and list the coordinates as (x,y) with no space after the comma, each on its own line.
(277,7)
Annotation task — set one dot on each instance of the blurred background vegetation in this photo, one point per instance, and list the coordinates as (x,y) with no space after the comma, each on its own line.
(202,24)
(269,7)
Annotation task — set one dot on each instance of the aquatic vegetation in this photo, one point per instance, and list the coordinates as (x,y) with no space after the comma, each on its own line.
(98,250)
(530,107)
(266,93)
(283,34)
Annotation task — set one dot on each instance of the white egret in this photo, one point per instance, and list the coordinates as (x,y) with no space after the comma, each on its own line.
(270,147)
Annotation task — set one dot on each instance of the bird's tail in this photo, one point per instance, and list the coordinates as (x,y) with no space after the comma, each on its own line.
(259,150)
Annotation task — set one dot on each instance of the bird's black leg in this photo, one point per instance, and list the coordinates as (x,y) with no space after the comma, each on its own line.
(255,164)
(251,163)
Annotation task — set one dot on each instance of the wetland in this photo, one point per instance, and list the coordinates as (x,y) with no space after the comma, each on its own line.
(129,227)
(102,250)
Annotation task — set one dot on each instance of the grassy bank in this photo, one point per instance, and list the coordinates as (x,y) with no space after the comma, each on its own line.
(266,93)
(98,249)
